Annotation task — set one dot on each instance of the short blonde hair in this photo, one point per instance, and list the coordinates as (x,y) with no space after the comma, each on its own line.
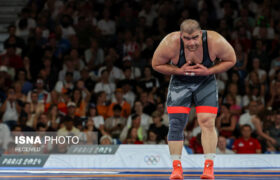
(189,26)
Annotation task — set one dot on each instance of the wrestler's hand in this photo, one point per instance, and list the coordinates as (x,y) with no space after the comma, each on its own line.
(199,70)
(185,68)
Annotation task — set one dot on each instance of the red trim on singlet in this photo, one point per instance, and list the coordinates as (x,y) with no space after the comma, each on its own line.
(206,109)
(178,109)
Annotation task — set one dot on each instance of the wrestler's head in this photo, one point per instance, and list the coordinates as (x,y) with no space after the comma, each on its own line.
(191,34)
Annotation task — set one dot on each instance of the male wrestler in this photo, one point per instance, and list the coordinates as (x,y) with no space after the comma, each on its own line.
(191,53)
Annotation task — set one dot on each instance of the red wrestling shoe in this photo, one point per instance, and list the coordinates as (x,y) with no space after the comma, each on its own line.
(177,172)
(208,172)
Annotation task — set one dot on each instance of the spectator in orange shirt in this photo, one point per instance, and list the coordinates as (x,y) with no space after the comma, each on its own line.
(246,144)
(101,105)
(126,110)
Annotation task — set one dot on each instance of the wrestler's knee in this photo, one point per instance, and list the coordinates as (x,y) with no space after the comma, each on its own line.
(177,123)
(207,123)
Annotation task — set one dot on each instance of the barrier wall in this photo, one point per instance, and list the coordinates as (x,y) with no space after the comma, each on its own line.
(137,156)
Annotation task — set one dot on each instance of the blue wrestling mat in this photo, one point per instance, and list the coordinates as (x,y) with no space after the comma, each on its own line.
(129,174)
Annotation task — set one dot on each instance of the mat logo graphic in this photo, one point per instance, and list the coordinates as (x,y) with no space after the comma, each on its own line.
(152,159)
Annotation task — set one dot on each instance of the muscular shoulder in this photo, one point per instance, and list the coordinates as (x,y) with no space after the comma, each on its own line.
(214,38)
(219,46)
(170,43)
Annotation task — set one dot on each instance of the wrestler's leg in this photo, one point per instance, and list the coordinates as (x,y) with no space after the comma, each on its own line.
(208,132)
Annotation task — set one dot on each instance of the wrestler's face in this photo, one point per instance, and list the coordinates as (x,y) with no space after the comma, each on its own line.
(192,41)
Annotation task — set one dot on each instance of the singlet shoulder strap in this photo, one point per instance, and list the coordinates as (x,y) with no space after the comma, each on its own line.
(205,45)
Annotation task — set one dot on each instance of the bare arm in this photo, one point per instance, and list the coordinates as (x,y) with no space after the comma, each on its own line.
(225,52)
(257,123)
(165,51)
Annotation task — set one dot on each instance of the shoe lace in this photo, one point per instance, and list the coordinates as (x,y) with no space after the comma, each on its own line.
(208,168)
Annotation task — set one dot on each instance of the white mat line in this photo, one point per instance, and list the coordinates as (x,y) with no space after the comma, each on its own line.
(58,172)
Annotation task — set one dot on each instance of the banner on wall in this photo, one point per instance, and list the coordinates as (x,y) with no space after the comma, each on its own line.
(134,156)
(23,160)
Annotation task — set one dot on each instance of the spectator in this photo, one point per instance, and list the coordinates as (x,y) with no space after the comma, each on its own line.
(54,117)
(105,85)
(148,13)
(94,56)
(226,122)
(77,61)
(160,110)
(260,72)
(66,85)
(132,137)
(71,113)
(4,136)
(153,138)
(43,95)
(129,94)
(222,146)
(274,100)
(246,144)
(253,82)
(145,119)
(148,105)
(81,103)
(69,67)
(241,61)
(97,119)
(106,140)
(23,80)
(106,25)
(130,48)
(116,123)
(14,61)
(66,27)
(148,82)
(118,99)
(19,42)
(246,118)
(135,132)
(130,71)
(101,104)
(27,113)
(158,128)
(20,97)
(10,109)
(274,132)
(68,129)
(115,74)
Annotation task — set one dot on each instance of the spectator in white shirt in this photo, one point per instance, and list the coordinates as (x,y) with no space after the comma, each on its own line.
(66,26)
(222,146)
(69,67)
(149,14)
(115,73)
(106,25)
(94,56)
(146,120)
(4,136)
(66,85)
(105,85)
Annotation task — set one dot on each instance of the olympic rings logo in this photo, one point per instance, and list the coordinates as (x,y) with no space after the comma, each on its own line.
(151,159)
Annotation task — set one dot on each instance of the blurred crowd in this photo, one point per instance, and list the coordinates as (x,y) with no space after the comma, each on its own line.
(82,66)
